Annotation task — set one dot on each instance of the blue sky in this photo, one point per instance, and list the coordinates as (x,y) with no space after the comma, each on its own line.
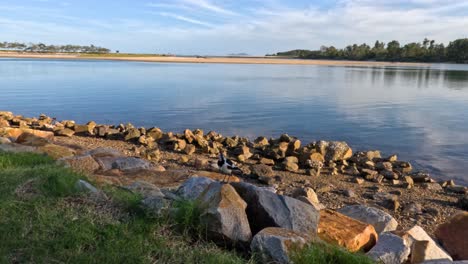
(218,27)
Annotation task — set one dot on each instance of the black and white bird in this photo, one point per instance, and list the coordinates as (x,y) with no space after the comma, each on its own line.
(227,166)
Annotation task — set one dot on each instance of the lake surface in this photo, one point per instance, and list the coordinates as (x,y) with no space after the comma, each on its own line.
(420,113)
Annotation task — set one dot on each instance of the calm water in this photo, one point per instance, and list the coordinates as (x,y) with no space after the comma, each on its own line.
(419,113)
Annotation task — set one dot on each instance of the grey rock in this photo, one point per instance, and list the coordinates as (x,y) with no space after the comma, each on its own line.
(193,187)
(223,215)
(146,189)
(84,186)
(273,245)
(390,249)
(130,163)
(433,186)
(381,221)
(412,208)
(423,247)
(267,209)
(156,204)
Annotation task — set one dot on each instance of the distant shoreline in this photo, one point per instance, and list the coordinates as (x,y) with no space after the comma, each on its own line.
(220,60)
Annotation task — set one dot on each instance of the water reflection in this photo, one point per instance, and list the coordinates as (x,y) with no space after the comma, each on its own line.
(419,113)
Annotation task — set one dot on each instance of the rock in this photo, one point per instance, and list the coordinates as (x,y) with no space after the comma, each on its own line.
(390,175)
(223,214)
(381,221)
(4,123)
(412,208)
(433,186)
(132,134)
(409,182)
(390,249)
(4,140)
(130,164)
(146,189)
(266,161)
(291,159)
(453,235)
(30,139)
(463,202)
(14,133)
(189,149)
(307,192)
(392,158)
(84,129)
(157,205)
(261,142)
(263,172)
(56,151)
(155,133)
(290,166)
(84,186)
(369,174)
(218,176)
(349,193)
(359,180)
(200,163)
(457,189)
(384,166)
(347,232)
(420,177)
(272,244)
(423,247)
(66,132)
(193,187)
(267,209)
(334,150)
(84,164)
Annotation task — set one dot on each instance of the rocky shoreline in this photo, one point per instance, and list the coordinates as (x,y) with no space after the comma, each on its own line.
(326,175)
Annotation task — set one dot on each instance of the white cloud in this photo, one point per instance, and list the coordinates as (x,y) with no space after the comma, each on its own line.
(186,19)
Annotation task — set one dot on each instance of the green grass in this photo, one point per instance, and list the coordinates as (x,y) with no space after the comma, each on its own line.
(321,253)
(43,219)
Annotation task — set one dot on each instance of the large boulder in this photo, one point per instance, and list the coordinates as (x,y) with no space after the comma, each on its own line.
(423,247)
(381,221)
(273,245)
(56,151)
(453,235)
(30,139)
(84,164)
(334,150)
(15,133)
(130,164)
(223,215)
(267,209)
(193,187)
(390,249)
(347,232)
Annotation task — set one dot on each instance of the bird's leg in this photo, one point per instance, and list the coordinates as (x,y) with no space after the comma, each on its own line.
(224,178)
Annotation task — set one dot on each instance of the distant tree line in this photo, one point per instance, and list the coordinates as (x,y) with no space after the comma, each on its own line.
(427,51)
(41,47)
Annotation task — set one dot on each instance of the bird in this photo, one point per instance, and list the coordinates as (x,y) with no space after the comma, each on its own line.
(227,166)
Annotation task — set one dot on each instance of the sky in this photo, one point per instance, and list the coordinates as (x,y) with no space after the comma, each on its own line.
(220,27)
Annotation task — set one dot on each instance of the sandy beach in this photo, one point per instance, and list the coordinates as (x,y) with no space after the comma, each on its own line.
(223,60)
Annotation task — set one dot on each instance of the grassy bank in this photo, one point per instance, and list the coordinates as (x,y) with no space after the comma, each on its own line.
(44,218)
